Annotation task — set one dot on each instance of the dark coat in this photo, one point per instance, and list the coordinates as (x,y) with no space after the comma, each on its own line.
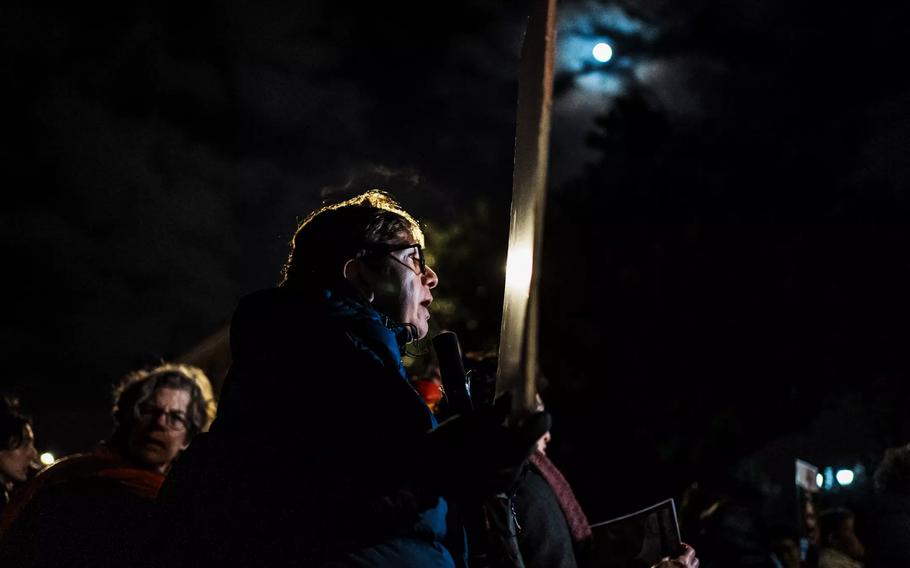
(88,510)
(544,538)
(887,539)
(554,530)
(315,454)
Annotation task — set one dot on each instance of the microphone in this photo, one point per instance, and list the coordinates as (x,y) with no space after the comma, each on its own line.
(456,385)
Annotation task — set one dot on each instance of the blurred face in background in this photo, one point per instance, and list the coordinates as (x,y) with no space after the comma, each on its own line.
(545,439)
(159,433)
(847,542)
(16,461)
(542,442)
(787,551)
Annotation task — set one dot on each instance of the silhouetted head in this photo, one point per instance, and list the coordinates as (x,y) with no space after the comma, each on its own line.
(893,474)
(836,531)
(783,539)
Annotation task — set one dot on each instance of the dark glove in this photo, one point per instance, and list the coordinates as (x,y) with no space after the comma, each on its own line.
(475,454)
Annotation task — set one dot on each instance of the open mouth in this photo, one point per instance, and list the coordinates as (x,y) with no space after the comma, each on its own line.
(154,442)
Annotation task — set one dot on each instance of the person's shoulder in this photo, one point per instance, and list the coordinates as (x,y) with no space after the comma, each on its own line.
(83,517)
(888,518)
(62,471)
(70,484)
(891,502)
(91,490)
(267,308)
(265,297)
(66,467)
(282,326)
(833,558)
(277,302)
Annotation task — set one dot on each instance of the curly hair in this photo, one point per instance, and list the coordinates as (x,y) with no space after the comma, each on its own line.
(137,387)
(336,233)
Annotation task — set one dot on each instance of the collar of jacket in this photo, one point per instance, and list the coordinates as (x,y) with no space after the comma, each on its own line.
(367,329)
(346,301)
(371,331)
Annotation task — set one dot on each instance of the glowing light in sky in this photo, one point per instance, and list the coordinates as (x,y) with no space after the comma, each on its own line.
(605,83)
(47,458)
(844,476)
(603,52)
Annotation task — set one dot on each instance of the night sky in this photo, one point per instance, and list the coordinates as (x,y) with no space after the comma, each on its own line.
(725,269)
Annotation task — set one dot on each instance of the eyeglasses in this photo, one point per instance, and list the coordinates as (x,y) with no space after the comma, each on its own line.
(173,419)
(389,249)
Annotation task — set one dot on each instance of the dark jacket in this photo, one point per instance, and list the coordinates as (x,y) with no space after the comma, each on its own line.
(887,539)
(543,504)
(543,538)
(87,510)
(315,454)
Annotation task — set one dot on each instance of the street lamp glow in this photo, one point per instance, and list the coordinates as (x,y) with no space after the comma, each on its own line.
(819,480)
(844,476)
(603,52)
(47,458)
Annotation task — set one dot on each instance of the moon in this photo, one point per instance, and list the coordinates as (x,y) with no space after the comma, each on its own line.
(602,52)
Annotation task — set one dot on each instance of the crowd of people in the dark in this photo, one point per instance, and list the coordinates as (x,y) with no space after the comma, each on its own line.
(729,530)
(383,477)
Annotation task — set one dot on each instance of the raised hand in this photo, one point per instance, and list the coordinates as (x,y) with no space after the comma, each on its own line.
(686,560)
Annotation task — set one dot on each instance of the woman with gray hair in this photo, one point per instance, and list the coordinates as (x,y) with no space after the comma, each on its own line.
(94,509)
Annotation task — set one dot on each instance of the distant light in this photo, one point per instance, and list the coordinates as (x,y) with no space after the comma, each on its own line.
(47,458)
(603,52)
(829,478)
(844,476)
(819,479)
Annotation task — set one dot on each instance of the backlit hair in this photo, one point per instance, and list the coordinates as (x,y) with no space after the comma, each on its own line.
(138,386)
(336,233)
